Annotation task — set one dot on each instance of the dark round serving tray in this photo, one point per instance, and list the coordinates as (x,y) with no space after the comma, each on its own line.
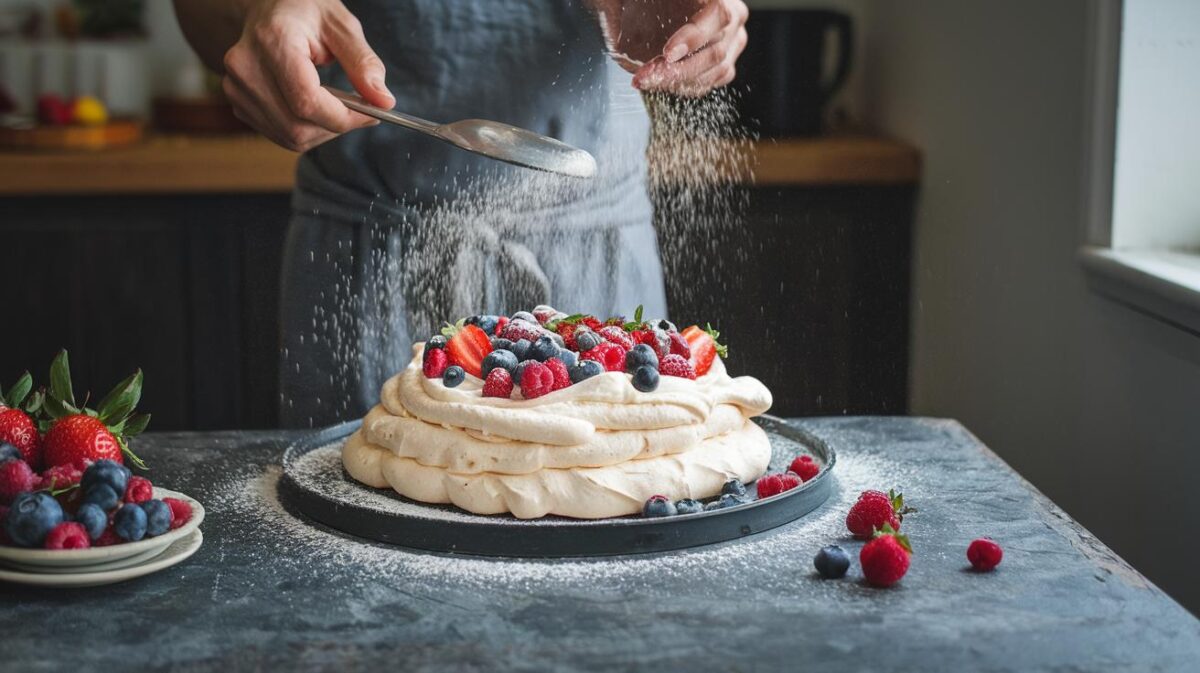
(549,537)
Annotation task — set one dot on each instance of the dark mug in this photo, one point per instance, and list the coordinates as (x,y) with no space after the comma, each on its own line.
(781,75)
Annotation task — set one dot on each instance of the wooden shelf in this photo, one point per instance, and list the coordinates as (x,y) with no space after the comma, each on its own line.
(247,164)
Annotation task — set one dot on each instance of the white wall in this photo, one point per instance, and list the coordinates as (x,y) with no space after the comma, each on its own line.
(1091,401)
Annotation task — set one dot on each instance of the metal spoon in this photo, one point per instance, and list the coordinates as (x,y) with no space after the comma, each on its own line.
(491,139)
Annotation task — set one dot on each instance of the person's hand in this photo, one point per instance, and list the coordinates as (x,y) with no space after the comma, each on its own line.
(688,47)
(271,73)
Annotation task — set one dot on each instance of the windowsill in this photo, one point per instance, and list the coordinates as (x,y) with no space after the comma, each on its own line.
(1160,283)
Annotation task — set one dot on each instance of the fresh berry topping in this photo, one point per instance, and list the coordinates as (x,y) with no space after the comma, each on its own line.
(10,452)
(568,358)
(524,315)
(536,380)
(130,522)
(873,510)
(93,519)
(688,506)
(68,535)
(658,506)
(585,369)
(181,511)
(435,363)
(609,355)
(467,347)
(19,430)
(705,347)
(499,344)
(984,554)
(675,365)
(662,324)
(139,490)
(158,517)
(616,335)
(543,313)
(788,481)
(586,341)
(102,496)
(769,485)
(16,477)
(487,323)
(805,467)
(543,349)
(31,518)
(832,562)
(501,321)
(60,477)
(453,376)
(106,472)
(520,348)
(592,322)
(520,371)
(436,341)
(518,329)
(645,379)
(78,440)
(640,355)
(562,378)
(499,383)
(502,359)
(734,487)
(679,345)
(885,558)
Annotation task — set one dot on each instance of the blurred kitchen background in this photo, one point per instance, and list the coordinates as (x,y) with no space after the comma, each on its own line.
(949,218)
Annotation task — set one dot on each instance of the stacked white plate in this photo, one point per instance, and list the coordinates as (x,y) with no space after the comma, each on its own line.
(104,565)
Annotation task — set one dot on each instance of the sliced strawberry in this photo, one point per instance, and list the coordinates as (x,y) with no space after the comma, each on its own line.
(467,348)
(705,347)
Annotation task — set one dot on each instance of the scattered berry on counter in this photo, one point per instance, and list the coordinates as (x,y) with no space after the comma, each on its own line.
(832,562)
(585,369)
(641,355)
(734,487)
(886,557)
(536,380)
(139,490)
(658,506)
(68,535)
(467,347)
(181,511)
(645,379)
(129,523)
(805,467)
(16,477)
(93,519)
(873,510)
(704,346)
(435,362)
(562,378)
(616,335)
(31,517)
(520,348)
(502,359)
(769,485)
(789,480)
(102,496)
(499,383)
(984,554)
(108,472)
(158,517)
(675,365)
(543,349)
(453,376)
(680,345)
(9,452)
(689,506)
(609,355)
(586,341)
(436,341)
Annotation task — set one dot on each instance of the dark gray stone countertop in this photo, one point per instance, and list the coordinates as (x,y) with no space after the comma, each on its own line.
(269,592)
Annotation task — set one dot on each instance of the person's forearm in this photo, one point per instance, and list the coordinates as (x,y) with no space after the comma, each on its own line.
(212,27)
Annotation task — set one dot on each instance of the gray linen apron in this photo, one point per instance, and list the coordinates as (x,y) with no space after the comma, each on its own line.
(393,232)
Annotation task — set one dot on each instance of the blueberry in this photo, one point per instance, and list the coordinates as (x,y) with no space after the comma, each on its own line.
(31,517)
(543,349)
(640,355)
(689,506)
(526,316)
(586,341)
(437,341)
(726,501)
(471,320)
(663,324)
(585,369)
(453,376)
(518,371)
(520,348)
(499,360)
(487,323)
(832,562)
(734,487)
(568,358)
(107,472)
(102,496)
(657,506)
(158,517)
(130,523)
(93,519)
(9,452)
(500,344)
(645,379)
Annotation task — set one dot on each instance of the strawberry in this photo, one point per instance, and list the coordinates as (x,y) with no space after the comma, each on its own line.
(704,347)
(79,440)
(567,331)
(501,321)
(886,557)
(76,435)
(16,424)
(467,347)
(873,510)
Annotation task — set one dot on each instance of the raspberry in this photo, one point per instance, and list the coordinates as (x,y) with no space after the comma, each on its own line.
(68,535)
(680,345)
(769,485)
(181,511)
(617,336)
(139,490)
(609,355)
(107,538)
(544,313)
(517,329)
(435,363)
(885,558)
(498,383)
(676,365)
(15,477)
(805,467)
(790,480)
(593,323)
(984,554)
(60,476)
(536,380)
(872,511)
(559,369)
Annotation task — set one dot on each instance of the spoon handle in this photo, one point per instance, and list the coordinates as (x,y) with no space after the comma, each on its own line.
(356,103)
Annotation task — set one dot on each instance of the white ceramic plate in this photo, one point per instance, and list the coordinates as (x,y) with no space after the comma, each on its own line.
(81,559)
(177,552)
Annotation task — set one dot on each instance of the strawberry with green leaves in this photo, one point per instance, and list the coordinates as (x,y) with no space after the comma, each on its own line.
(17,408)
(467,346)
(705,347)
(78,435)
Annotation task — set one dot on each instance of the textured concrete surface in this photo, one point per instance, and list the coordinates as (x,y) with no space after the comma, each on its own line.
(271,598)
